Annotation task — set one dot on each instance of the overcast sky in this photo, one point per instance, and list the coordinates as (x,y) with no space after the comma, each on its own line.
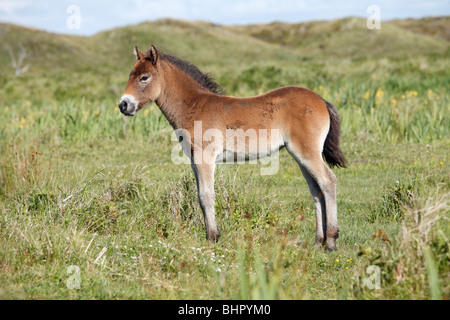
(87,17)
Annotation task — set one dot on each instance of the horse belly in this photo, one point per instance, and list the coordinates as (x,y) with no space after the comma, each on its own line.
(240,146)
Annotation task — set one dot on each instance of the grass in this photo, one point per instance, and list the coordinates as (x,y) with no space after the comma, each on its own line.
(80,186)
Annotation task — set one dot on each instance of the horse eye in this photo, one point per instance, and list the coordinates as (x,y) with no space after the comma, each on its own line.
(143,79)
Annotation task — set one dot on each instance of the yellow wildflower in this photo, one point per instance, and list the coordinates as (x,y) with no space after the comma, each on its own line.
(367,95)
(411,93)
(380,93)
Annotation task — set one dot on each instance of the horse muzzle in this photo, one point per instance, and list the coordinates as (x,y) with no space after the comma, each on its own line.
(128,105)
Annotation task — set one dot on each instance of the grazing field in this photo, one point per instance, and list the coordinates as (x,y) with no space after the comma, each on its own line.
(92,206)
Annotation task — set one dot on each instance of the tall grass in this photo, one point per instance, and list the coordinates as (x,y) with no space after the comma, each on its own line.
(416,265)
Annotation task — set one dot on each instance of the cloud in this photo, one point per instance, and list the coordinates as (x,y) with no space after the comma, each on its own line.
(10,6)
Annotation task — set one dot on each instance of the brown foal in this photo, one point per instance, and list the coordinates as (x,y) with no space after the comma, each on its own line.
(291,117)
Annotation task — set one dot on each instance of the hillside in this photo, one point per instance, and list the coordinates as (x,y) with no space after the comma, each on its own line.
(438,27)
(349,38)
(99,65)
(222,45)
(63,66)
(113,48)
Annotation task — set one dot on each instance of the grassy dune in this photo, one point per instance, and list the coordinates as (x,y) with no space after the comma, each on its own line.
(86,193)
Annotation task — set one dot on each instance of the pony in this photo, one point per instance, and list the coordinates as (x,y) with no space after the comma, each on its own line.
(291,117)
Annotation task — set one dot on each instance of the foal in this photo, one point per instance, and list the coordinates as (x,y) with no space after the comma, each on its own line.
(294,117)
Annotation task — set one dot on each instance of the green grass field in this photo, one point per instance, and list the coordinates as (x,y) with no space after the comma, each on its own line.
(92,206)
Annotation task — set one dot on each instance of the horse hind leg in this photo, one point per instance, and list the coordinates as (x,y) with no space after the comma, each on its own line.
(328,182)
(322,185)
(319,205)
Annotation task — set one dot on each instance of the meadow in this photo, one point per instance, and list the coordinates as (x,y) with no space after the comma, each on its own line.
(92,206)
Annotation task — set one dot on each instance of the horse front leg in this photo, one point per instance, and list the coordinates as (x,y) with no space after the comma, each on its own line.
(204,175)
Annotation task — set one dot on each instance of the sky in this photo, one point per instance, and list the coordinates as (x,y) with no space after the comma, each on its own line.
(87,17)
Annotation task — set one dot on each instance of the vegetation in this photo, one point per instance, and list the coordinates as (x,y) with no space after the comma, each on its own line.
(82,186)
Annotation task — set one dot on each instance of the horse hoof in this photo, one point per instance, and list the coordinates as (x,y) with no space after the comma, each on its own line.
(213,236)
(320,241)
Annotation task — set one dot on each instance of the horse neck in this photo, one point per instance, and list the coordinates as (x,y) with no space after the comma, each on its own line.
(178,95)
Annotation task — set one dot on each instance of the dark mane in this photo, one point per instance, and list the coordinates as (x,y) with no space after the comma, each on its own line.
(204,79)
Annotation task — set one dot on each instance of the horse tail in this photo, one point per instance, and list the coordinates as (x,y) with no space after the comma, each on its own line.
(333,155)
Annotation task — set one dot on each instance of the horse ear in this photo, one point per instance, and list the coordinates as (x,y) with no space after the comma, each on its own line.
(152,55)
(139,55)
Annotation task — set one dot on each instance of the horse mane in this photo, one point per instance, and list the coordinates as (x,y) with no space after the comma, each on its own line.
(204,79)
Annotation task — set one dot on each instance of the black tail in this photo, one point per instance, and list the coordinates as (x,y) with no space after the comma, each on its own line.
(333,155)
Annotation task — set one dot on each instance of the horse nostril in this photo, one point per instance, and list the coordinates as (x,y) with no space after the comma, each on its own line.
(123,105)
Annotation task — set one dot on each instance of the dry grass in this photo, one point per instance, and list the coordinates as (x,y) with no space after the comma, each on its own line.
(415,264)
